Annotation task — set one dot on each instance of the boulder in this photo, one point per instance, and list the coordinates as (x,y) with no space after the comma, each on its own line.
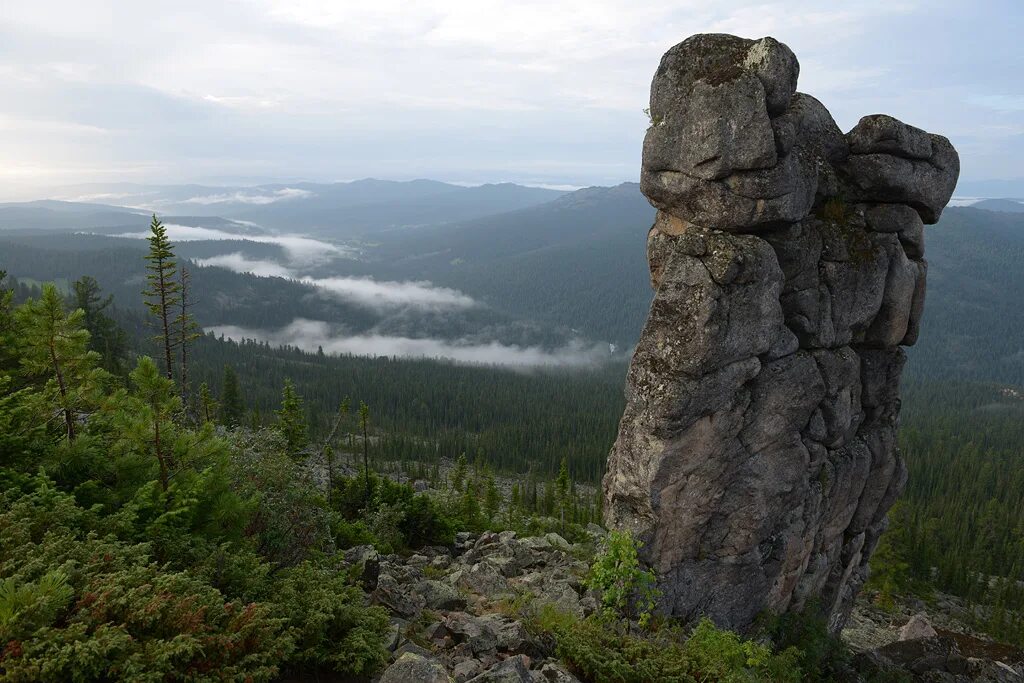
(917,627)
(413,668)
(756,455)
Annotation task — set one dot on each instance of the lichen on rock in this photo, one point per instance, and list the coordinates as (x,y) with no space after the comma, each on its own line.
(756,458)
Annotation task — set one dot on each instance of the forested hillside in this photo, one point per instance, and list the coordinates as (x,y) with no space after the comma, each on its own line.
(578,262)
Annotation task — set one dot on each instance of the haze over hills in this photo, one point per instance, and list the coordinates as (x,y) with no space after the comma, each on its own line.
(336,210)
(566,273)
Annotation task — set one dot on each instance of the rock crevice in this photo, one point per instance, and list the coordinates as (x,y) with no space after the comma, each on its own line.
(756,458)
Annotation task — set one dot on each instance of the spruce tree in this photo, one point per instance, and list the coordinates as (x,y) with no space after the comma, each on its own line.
(105,336)
(162,295)
(232,406)
(291,420)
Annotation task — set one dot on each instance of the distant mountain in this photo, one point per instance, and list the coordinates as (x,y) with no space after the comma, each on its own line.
(578,261)
(57,215)
(1007,205)
(340,210)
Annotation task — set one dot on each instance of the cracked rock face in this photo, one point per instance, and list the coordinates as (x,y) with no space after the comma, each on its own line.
(756,458)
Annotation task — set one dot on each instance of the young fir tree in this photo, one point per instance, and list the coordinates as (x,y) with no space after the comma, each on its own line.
(162,295)
(291,420)
(232,411)
(105,337)
(207,404)
(185,328)
(156,405)
(55,346)
(459,472)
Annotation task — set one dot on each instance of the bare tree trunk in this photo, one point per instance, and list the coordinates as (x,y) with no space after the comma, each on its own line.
(69,415)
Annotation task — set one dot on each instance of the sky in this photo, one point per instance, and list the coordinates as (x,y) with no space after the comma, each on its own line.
(539,92)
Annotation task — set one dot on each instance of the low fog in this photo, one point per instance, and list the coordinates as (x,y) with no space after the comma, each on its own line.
(310,335)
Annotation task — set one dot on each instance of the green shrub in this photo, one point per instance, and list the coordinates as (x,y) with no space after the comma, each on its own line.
(80,606)
(626,588)
(329,623)
(603,650)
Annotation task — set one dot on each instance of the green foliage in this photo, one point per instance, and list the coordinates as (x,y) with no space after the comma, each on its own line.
(82,606)
(823,657)
(625,587)
(105,336)
(163,291)
(396,518)
(603,651)
(53,348)
(329,623)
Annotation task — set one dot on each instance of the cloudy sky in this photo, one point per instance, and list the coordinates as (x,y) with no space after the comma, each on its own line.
(547,91)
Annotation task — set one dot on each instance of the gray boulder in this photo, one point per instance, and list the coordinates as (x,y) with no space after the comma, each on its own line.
(413,668)
(756,456)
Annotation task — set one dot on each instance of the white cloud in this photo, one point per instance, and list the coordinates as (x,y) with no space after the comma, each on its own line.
(478,89)
(250,197)
(387,294)
(312,334)
(364,291)
(301,251)
(240,264)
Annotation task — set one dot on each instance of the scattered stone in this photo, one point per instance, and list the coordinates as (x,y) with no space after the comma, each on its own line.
(396,597)
(512,670)
(917,627)
(440,596)
(413,668)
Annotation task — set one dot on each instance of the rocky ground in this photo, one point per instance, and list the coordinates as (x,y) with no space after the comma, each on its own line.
(929,641)
(456,616)
(451,607)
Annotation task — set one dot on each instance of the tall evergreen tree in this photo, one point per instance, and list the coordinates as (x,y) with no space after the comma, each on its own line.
(162,295)
(232,406)
(291,420)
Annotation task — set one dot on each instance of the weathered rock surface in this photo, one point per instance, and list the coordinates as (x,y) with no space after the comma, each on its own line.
(756,458)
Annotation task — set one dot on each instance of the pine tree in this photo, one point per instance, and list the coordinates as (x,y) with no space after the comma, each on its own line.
(162,294)
(157,406)
(232,406)
(291,420)
(55,345)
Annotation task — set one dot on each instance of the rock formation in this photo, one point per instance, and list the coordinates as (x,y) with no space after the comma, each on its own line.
(756,459)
